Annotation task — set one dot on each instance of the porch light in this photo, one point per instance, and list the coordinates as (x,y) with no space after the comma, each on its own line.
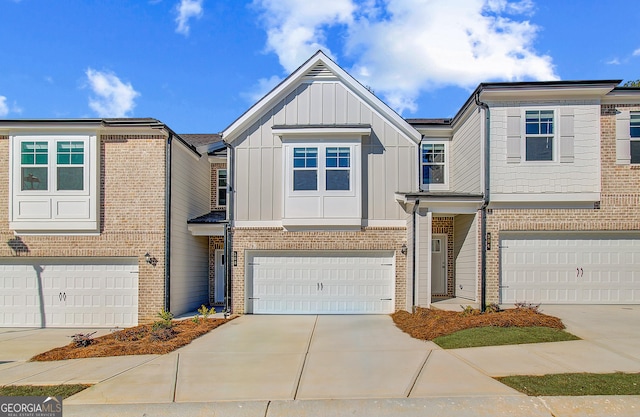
(151,260)
(403,249)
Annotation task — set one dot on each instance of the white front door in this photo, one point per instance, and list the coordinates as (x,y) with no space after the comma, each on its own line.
(219,272)
(570,268)
(439,264)
(320,283)
(66,292)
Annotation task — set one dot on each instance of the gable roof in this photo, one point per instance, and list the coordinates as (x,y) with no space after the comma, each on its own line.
(318,66)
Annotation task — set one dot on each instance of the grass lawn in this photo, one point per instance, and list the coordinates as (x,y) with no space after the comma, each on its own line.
(575,384)
(495,336)
(63,391)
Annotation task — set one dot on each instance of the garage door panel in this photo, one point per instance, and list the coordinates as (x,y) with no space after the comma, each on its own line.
(285,283)
(73,293)
(590,268)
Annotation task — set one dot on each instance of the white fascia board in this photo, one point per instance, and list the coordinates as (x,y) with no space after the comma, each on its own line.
(321,222)
(217,160)
(384,223)
(282,89)
(444,132)
(23,227)
(206,229)
(545,93)
(318,130)
(545,197)
(622,97)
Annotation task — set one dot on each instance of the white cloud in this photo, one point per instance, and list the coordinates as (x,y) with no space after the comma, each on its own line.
(297,29)
(613,61)
(636,52)
(4,108)
(262,88)
(404,47)
(186,10)
(113,98)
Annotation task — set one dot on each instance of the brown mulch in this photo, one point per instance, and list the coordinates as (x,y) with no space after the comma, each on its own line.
(139,340)
(427,324)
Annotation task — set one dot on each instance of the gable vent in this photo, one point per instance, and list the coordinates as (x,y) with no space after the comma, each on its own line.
(320,71)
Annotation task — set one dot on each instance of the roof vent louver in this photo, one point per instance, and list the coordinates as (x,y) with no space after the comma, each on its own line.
(320,71)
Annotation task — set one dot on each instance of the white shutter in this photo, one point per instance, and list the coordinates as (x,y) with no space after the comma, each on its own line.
(566,135)
(623,137)
(514,140)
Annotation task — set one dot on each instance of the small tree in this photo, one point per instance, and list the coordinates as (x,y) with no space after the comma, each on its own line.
(632,83)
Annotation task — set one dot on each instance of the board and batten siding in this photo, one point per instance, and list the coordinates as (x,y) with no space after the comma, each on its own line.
(508,179)
(465,255)
(190,197)
(465,156)
(389,159)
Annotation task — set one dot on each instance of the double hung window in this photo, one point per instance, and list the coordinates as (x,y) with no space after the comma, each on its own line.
(635,137)
(433,163)
(539,131)
(52,165)
(222,187)
(322,168)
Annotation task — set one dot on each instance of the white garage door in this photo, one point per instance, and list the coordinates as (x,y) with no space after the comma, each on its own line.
(320,283)
(570,268)
(47,292)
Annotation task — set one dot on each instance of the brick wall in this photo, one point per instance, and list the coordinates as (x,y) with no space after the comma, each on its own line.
(214,185)
(367,239)
(132,213)
(619,206)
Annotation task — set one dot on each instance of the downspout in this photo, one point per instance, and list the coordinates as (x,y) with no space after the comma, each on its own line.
(227,231)
(413,256)
(485,203)
(167,249)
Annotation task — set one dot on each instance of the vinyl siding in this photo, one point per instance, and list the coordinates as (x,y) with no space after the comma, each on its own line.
(465,251)
(465,160)
(547,178)
(190,197)
(388,158)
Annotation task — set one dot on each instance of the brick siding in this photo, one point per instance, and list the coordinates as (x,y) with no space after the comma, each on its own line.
(132,213)
(278,239)
(619,205)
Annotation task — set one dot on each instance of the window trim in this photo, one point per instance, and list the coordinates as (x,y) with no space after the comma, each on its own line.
(321,168)
(435,187)
(219,187)
(554,136)
(55,211)
(632,138)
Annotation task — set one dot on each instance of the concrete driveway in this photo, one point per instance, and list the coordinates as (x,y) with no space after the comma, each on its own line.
(610,343)
(297,357)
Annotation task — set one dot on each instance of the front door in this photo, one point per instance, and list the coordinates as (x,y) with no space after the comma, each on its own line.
(439,264)
(218,290)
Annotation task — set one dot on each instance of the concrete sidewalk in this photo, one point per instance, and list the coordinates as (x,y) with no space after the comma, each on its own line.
(492,406)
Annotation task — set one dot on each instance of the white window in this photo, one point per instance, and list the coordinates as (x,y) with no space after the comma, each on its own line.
(54,183)
(305,169)
(322,182)
(539,135)
(222,187)
(338,168)
(634,132)
(321,168)
(433,156)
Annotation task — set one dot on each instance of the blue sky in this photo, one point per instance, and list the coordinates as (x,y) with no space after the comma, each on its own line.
(199,64)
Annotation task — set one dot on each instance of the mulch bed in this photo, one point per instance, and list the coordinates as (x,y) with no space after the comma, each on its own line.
(139,340)
(427,324)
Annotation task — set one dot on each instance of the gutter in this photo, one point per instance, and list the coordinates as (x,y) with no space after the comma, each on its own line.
(485,203)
